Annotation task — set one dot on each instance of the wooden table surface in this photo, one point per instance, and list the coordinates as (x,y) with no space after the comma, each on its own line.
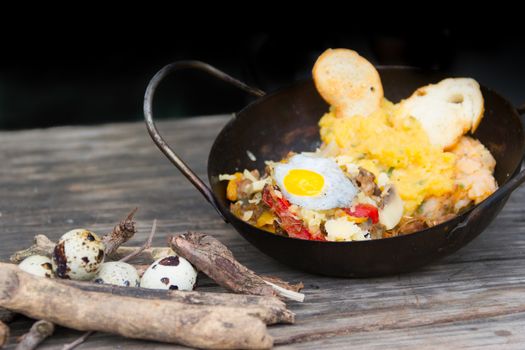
(57,179)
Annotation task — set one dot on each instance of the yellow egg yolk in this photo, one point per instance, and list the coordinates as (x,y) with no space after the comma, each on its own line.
(302,182)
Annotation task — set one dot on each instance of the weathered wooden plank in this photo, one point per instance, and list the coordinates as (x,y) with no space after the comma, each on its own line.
(493,333)
(56,179)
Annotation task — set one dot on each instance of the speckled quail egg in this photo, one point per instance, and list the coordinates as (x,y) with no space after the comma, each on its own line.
(37,265)
(78,255)
(171,272)
(118,273)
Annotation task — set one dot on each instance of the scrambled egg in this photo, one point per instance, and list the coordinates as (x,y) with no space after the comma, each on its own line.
(388,142)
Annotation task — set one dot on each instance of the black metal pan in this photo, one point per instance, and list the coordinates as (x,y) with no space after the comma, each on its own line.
(286,120)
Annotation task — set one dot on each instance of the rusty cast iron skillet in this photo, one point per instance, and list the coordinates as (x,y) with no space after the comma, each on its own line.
(287,120)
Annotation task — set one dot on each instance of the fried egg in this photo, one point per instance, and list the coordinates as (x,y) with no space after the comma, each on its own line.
(314,183)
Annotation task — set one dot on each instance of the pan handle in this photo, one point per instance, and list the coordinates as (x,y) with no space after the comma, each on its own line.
(502,192)
(162,144)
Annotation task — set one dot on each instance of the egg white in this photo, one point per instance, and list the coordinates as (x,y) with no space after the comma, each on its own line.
(338,190)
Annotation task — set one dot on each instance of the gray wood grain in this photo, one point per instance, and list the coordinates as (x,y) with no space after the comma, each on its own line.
(57,179)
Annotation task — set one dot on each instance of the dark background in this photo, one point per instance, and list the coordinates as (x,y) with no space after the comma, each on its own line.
(49,79)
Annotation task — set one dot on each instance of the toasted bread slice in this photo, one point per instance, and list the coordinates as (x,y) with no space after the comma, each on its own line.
(348,82)
(446,110)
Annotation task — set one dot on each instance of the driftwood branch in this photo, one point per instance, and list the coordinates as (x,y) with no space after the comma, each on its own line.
(39,331)
(4,334)
(202,326)
(270,309)
(41,246)
(121,233)
(213,258)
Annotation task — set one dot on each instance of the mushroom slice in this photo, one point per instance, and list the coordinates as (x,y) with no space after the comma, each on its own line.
(390,208)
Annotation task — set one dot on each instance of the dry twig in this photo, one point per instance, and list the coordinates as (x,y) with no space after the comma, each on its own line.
(121,233)
(41,246)
(78,341)
(38,332)
(295,287)
(145,246)
(213,258)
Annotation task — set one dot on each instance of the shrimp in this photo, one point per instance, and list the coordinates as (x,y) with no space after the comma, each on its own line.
(473,179)
(474,172)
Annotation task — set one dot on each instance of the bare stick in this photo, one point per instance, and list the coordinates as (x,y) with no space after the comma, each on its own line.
(270,309)
(4,334)
(121,233)
(78,341)
(295,287)
(209,327)
(213,258)
(38,332)
(147,256)
(145,246)
(286,293)
(41,246)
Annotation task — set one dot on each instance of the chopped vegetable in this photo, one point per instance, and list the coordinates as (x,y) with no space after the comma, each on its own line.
(364,211)
(266,218)
(231,189)
(280,206)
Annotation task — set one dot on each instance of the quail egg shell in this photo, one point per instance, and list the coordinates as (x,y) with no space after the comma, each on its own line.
(118,273)
(78,255)
(171,272)
(37,265)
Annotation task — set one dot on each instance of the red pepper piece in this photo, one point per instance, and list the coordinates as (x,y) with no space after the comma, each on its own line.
(293,226)
(364,211)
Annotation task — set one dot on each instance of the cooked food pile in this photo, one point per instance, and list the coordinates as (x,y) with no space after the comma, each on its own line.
(383,169)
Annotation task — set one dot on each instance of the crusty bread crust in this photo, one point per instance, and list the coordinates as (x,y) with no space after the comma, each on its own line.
(348,82)
(447,110)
